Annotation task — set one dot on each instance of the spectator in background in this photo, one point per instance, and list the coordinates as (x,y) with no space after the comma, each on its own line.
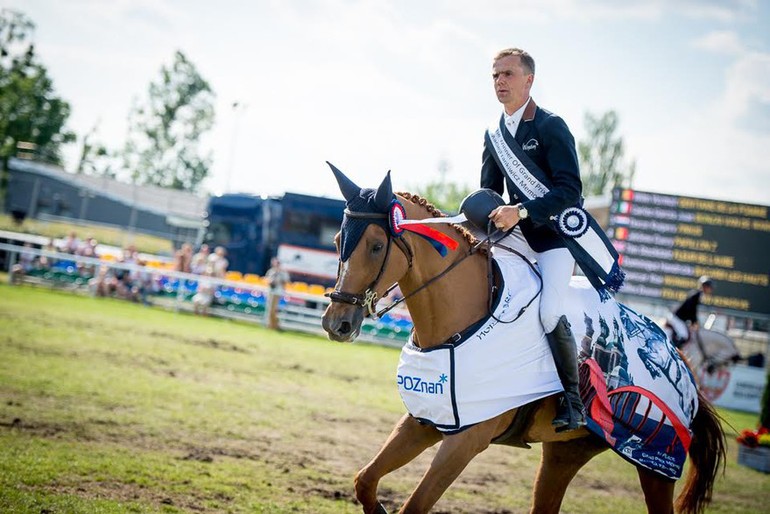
(105,283)
(277,278)
(136,280)
(200,260)
(71,244)
(122,284)
(45,261)
(88,249)
(183,258)
(26,263)
(141,282)
(219,262)
(205,294)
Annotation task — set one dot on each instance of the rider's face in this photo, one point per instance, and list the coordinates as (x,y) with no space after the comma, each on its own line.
(512,82)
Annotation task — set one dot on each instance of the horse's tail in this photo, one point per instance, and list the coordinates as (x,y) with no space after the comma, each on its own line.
(707,454)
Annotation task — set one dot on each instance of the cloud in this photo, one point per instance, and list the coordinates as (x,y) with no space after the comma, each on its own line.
(716,10)
(724,42)
(746,102)
(610,10)
(721,161)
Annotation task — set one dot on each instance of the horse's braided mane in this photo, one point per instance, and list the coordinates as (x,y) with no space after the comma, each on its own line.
(433,211)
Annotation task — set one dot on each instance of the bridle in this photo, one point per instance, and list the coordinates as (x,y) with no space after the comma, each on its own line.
(368,299)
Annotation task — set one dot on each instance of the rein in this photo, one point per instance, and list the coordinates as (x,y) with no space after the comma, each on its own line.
(428,282)
(490,277)
(368,299)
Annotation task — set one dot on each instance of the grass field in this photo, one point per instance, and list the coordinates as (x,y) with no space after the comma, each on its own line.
(107,407)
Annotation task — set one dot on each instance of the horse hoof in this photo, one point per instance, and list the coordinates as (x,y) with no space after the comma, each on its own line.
(380,509)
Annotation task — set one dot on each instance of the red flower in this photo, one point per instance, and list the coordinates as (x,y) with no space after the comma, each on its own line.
(749,438)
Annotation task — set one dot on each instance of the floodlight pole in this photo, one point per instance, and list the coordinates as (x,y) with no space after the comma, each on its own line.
(238,109)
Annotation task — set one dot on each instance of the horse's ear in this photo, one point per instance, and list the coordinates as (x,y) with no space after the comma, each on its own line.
(384,194)
(347,187)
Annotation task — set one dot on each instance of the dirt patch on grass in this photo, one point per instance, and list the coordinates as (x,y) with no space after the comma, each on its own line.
(134,493)
(36,428)
(202,342)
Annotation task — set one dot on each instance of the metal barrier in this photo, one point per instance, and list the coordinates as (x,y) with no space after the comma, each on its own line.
(168,289)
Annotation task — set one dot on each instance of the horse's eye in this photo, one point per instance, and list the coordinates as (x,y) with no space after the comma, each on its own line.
(377,247)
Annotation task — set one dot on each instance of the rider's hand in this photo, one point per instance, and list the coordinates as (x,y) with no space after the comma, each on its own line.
(505,217)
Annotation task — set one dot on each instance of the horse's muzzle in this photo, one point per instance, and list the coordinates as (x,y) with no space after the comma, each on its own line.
(342,322)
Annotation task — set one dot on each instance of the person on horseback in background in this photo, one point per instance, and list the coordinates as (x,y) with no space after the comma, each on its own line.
(685,316)
(546,203)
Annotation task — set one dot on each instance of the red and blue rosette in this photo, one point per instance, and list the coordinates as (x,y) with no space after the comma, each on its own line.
(440,241)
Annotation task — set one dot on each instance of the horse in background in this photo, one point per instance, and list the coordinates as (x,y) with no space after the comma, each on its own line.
(445,296)
(705,348)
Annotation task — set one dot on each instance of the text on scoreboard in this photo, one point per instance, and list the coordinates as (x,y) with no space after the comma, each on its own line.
(666,242)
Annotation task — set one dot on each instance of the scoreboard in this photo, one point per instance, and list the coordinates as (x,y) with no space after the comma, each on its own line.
(666,242)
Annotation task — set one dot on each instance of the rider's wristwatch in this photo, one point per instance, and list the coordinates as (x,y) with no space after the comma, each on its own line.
(523,212)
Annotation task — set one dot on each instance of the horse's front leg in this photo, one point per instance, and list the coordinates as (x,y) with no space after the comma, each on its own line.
(408,439)
(454,454)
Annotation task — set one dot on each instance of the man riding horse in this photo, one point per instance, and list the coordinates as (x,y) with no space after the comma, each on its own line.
(532,152)
(685,317)
(466,381)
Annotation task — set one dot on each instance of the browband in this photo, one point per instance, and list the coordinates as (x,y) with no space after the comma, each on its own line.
(358,214)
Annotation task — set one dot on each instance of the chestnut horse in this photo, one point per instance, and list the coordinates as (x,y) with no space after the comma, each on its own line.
(444,296)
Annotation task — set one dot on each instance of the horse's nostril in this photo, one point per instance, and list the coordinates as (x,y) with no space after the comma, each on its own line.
(345,327)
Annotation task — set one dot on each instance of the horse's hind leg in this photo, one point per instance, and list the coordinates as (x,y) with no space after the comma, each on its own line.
(658,491)
(560,462)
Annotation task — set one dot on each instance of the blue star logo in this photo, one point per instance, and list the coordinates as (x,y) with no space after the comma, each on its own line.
(442,378)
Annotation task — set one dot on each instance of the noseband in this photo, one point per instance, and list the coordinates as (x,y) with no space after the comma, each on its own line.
(368,299)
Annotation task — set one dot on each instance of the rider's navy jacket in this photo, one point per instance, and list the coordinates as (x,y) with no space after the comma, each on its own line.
(546,139)
(688,310)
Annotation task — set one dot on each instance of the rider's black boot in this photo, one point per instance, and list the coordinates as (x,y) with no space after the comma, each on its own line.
(570,412)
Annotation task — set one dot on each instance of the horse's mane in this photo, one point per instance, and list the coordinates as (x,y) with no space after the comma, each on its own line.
(433,211)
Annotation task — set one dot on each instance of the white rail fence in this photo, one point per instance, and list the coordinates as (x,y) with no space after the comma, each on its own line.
(174,290)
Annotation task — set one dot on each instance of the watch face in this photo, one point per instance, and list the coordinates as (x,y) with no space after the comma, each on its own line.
(523,213)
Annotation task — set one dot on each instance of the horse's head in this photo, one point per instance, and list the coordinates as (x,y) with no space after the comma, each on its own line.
(371,258)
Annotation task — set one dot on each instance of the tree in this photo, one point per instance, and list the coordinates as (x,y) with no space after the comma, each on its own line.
(601,155)
(30,112)
(441,193)
(95,158)
(163,146)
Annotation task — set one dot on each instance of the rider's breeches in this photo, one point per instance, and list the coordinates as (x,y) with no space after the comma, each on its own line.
(556,267)
(681,330)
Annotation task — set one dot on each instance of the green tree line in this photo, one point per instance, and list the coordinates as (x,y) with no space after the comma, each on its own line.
(165,126)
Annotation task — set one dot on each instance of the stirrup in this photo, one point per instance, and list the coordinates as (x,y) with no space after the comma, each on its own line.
(568,415)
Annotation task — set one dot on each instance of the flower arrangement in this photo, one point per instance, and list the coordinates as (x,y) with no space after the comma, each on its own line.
(755,438)
(754,449)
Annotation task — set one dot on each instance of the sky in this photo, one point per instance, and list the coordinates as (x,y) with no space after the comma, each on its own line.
(402,85)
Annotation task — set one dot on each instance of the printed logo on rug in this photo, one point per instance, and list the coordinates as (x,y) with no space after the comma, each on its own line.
(420,385)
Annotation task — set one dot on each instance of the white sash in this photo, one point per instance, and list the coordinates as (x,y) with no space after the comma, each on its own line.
(527,183)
